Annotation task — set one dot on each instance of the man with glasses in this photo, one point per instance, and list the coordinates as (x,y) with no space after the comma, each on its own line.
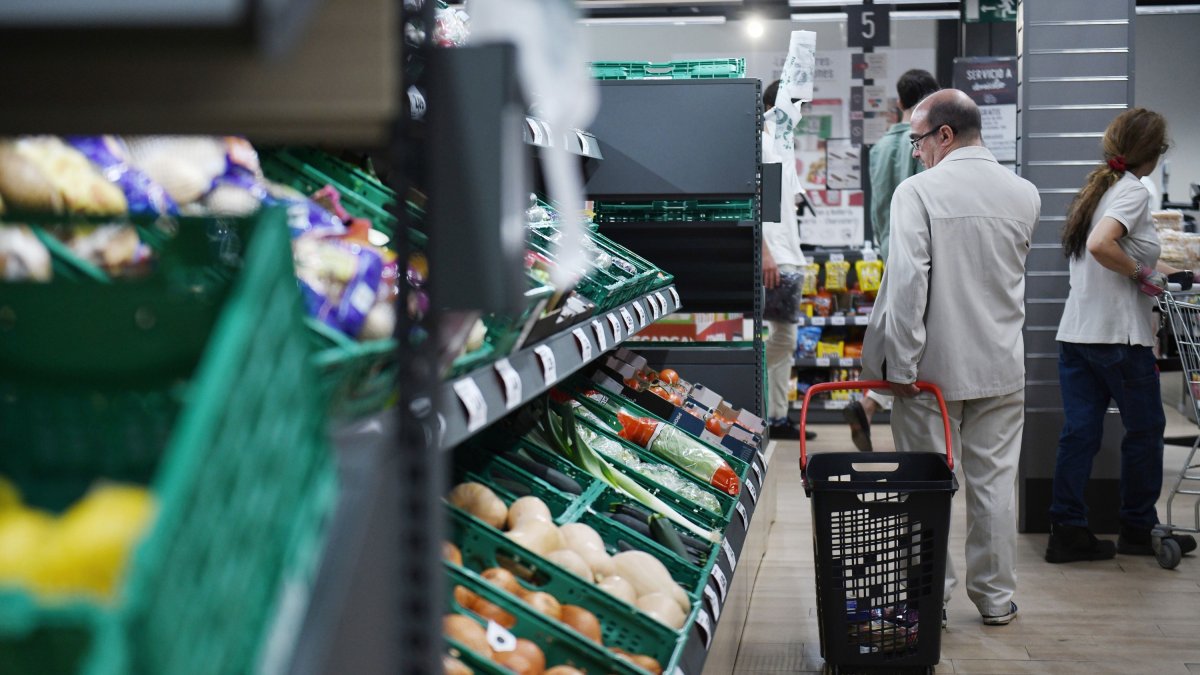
(950,311)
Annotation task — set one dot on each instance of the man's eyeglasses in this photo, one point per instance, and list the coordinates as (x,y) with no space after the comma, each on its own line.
(916,140)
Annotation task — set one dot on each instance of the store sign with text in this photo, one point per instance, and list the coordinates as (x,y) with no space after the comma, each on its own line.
(836,219)
(991,81)
(989,11)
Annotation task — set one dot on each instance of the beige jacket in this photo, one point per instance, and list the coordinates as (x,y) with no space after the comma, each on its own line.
(952,303)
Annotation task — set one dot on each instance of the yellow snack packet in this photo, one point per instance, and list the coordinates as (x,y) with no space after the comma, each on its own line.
(870,274)
(835,275)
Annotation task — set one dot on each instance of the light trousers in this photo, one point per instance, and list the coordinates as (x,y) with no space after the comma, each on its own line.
(781,356)
(986,436)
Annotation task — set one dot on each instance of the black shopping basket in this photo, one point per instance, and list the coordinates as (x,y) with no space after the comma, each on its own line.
(880,526)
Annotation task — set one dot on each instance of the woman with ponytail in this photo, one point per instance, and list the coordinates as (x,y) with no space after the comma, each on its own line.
(1105,339)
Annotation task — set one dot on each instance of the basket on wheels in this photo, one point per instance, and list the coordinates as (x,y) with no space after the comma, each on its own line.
(880,529)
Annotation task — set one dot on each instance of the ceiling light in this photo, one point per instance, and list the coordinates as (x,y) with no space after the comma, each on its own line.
(653,21)
(1168,9)
(755,27)
(819,17)
(926,15)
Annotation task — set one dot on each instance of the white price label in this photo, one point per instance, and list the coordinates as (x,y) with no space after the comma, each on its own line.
(662,301)
(675,295)
(837,321)
(836,257)
(729,555)
(585,148)
(753,492)
(713,603)
(512,383)
(468,392)
(745,517)
(704,623)
(628,319)
(817,321)
(539,137)
(616,326)
(722,583)
(656,309)
(870,255)
(441,431)
(757,471)
(861,320)
(678,671)
(549,368)
(846,363)
(585,345)
(601,338)
(637,307)
(499,638)
(823,362)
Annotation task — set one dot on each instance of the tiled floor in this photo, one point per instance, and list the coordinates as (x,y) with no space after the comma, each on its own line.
(1124,616)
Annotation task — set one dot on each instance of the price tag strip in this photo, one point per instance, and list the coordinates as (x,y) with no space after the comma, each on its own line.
(585,345)
(753,492)
(837,321)
(823,362)
(468,392)
(757,471)
(549,368)
(675,296)
(729,555)
(722,583)
(817,321)
(704,623)
(628,319)
(662,301)
(512,383)
(713,603)
(745,517)
(637,307)
(601,338)
(655,310)
(616,327)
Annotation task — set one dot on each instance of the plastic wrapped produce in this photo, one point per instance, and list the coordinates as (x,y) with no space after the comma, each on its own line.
(680,449)
(664,475)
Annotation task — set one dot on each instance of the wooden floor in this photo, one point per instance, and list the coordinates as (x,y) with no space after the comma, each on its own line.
(1125,615)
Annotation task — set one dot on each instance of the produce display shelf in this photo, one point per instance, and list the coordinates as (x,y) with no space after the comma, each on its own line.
(828,362)
(478,398)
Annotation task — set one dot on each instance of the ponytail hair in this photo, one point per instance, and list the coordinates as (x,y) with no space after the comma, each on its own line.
(1133,139)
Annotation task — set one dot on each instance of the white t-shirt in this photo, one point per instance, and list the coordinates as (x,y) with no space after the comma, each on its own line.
(1106,307)
(782,238)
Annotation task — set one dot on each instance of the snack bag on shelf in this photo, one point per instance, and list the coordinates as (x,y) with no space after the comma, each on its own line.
(823,303)
(830,349)
(811,273)
(807,338)
(835,275)
(870,274)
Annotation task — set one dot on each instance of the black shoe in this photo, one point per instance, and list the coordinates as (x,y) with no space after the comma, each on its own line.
(809,435)
(860,426)
(1071,543)
(784,432)
(1137,541)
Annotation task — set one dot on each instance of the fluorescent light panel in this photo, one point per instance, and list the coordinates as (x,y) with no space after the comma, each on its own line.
(1168,9)
(654,21)
(900,15)
(827,3)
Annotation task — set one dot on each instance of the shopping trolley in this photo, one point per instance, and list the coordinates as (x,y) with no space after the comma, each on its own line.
(1183,312)
(880,527)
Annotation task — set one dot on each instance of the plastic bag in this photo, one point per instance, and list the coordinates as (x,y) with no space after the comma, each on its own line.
(680,449)
(835,275)
(870,274)
(783,302)
(109,154)
(339,280)
(811,272)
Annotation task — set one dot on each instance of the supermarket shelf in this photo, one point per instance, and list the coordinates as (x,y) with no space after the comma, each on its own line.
(536,368)
(539,133)
(828,362)
(856,320)
(835,254)
(336,85)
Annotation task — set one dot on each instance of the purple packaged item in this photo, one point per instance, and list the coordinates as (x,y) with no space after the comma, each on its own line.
(321,264)
(108,153)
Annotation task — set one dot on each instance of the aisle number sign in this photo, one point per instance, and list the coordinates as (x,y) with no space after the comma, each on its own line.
(868,25)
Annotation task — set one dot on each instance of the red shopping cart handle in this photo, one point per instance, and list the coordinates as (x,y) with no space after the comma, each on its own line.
(871,384)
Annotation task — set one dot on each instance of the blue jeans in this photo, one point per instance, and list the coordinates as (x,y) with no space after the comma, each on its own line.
(1090,375)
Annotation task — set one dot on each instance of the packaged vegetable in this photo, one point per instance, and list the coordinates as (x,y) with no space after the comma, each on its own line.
(42,173)
(110,155)
(680,449)
(22,256)
(339,280)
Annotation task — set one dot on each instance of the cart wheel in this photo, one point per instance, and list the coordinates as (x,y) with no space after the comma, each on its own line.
(1169,554)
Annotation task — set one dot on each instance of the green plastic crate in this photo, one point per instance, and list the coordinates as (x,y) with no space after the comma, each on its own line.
(671,70)
(560,644)
(621,625)
(205,393)
(659,211)
(357,378)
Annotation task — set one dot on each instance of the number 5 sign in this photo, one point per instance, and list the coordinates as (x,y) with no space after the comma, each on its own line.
(868,26)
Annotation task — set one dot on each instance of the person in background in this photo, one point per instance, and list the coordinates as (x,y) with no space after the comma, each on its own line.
(950,311)
(1106,337)
(780,255)
(892,161)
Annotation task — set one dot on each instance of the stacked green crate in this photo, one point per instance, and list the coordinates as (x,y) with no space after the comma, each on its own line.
(196,383)
(670,70)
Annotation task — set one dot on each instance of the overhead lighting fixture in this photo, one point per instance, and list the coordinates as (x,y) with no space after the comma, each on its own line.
(819,17)
(1168,9)
(755,27)
(924,15)
(846,3)
(654,21)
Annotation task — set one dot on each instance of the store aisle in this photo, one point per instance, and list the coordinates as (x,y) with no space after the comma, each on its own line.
(1124,616)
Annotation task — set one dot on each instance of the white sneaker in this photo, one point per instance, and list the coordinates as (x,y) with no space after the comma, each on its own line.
(1002,619)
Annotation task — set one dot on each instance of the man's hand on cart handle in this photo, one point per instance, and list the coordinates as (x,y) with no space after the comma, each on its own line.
(904,389)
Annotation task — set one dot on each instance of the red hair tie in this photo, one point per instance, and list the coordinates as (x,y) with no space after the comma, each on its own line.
(1117,163)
